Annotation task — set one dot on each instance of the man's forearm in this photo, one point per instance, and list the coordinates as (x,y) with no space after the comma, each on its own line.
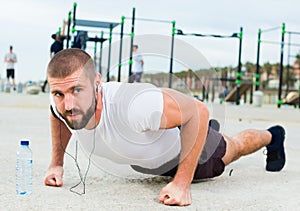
(193,135)
(60,139)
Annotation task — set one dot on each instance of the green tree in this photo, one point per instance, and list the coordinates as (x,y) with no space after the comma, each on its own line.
(298,59)
(267,67)
(250,67)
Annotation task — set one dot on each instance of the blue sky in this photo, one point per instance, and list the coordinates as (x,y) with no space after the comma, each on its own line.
(28,25)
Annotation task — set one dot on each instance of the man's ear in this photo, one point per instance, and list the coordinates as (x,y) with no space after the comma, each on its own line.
(98,79)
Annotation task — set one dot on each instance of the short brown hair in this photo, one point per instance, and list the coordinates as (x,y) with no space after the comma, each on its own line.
(67,61)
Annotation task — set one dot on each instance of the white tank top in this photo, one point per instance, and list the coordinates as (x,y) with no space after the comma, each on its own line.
(128,132)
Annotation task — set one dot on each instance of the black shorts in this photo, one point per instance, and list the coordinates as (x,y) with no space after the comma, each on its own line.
(209,165)
(10,73)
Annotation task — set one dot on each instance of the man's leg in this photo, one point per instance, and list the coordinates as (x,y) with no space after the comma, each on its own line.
(250,141)
(220,150)
(132,78)
(138,77)
(13,82)
(7,75)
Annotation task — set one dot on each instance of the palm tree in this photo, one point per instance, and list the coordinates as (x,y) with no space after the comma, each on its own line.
(267,67)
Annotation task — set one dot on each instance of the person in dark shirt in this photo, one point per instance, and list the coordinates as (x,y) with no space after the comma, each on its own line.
(56,46)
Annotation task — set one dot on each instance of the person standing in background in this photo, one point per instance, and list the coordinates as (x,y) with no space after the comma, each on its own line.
(11,58)
(137,65)
(56,46)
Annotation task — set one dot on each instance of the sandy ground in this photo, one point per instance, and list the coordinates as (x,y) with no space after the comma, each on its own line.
(249,187)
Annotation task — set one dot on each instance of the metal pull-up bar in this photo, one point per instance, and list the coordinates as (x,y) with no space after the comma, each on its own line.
(234,35)
(92,24)
(239,35)
(150,20)
(282,43)
(277,43)
(97,24)
(133,19)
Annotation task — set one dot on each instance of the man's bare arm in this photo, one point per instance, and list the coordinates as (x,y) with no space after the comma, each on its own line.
(64,27)
(192,116)
(60,139)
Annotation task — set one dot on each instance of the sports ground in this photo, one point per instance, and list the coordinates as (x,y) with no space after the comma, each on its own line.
(244,185)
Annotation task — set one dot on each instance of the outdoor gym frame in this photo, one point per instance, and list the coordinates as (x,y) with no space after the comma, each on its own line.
(111,26)
(133,19)
(92,24)
(177,32)
(282,44)
(239,35)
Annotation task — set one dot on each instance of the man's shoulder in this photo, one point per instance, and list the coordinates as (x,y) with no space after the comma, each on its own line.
(121,90)
(127,86)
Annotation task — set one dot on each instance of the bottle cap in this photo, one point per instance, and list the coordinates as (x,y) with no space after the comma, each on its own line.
(24,142)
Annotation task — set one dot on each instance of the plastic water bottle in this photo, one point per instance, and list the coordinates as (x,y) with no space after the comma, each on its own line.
(24,168)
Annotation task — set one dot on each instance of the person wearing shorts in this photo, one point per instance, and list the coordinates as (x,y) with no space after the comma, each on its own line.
(10,73)
(11,59)
(137,65)
(154,130)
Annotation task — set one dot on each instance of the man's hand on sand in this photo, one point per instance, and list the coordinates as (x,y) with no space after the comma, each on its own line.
(54,176)
(173,194)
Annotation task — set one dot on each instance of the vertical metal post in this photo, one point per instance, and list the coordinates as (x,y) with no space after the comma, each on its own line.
(245,97)
(213,91)
(238,80)
(109,52)
(207,89)
(131,44)
(74,20)
(203,90)
(288,66)
(257,75)
(121,48)
(279,101)
(95,50)
(251,95)
(299,90)
(68,29)
(172,52)
(100,55)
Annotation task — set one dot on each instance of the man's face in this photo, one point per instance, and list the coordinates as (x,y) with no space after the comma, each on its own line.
(74,98)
